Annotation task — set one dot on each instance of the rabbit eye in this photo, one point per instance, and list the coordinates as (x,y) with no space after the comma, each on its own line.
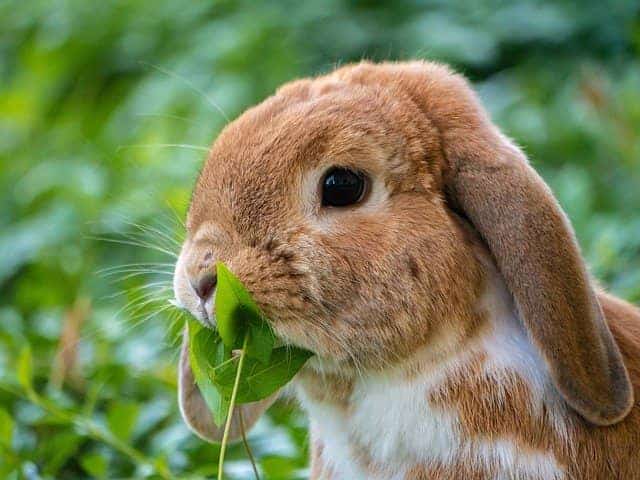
(342,187)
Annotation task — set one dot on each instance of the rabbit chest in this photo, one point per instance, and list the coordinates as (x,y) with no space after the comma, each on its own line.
(486,412)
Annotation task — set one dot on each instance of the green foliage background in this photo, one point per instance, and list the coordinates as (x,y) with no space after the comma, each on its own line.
(93,93)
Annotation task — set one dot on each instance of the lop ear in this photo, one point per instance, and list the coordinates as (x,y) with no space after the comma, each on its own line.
(489,179)
(193,408)
(537,254)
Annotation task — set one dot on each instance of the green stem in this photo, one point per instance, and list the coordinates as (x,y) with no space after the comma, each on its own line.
(232,403)
(247,448)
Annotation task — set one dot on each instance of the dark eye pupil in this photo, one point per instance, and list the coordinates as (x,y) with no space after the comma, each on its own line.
(342,187)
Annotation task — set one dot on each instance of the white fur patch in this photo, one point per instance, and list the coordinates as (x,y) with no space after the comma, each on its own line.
(509,349)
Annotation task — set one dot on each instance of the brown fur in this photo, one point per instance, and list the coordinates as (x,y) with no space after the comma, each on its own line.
(367,287)
(327,387)
(447,472)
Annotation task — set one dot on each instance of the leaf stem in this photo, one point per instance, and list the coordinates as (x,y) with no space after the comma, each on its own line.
(246,444)
(232,403)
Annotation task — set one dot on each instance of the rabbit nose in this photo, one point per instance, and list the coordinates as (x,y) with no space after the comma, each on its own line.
(205,285)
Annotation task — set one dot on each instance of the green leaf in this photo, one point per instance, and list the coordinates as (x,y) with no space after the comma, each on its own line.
(235,309)
(240,325)
(258,380)
(95,465)
(275,466)
(25,368)
(121,418)
(261,341)
(59,450)
(6,429)
(206,347)
(203,347)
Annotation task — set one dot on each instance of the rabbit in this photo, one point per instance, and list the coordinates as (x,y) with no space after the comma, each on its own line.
(382,221)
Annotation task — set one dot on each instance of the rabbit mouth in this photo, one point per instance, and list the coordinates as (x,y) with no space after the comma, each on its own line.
(202,314)
(207,311)
(206,319)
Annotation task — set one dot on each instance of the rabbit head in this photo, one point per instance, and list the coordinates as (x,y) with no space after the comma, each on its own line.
(341,203)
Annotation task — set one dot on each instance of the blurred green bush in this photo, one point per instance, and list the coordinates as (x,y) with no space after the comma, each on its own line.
(105,109)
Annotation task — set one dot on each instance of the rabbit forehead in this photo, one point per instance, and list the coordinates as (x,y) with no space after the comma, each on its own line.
(259,159)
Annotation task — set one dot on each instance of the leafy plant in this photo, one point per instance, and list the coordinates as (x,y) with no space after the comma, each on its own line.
(239,362)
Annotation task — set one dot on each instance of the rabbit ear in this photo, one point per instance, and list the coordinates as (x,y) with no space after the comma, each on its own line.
(488,179)
(193,408)
(537,254)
